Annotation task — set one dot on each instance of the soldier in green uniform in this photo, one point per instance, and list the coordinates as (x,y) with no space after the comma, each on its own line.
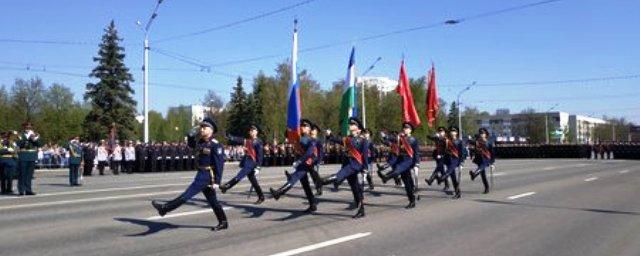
(28,144)
(75,160)
(7,162)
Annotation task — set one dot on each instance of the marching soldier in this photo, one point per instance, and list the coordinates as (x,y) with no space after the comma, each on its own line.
(370,157)
(392,155)
(306,153)
(250,163)
(28,145)
(357,150)
(438,155)
(75,160)
(7,162)
(454,155)
(408,159)
(484,157)
(315,172)
(207,180)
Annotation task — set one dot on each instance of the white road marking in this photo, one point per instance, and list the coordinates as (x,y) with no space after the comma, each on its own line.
(97,199)
(312,247)
(591,179)
(499,174)
(185,213)
(624,171)
(98,190)
(550,168)
(521,195)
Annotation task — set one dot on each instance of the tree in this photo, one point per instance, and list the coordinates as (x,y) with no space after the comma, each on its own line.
(239,112)
(62,115)
(529,124)
(27,99)
(111,97)
(452,118)
(213,101)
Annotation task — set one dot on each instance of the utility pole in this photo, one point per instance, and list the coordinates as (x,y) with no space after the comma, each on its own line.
(362,87)
(145,70)
(458,106)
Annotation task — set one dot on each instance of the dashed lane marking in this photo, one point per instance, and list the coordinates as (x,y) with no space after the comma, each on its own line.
(312,247)
(521,195)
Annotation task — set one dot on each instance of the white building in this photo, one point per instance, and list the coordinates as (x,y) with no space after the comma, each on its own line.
(582,127)
(561,124)
(383,84)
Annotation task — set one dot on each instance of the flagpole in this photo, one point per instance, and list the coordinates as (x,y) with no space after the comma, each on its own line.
(362,87)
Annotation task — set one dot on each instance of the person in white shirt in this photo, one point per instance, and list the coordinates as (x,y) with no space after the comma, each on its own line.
(117,158)
(129,157)
(102,156)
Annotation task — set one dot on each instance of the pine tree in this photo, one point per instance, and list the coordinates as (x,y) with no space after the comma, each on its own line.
(452,118)
(256,100)
(239,119)
(111,97)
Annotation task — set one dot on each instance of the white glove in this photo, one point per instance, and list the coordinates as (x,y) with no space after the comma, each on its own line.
(215,186)
(257,170)
(295,164)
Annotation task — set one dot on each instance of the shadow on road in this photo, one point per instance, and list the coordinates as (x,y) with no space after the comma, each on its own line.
(155,227)
(558,207)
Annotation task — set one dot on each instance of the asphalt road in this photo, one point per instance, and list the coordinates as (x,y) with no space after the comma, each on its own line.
(538,207)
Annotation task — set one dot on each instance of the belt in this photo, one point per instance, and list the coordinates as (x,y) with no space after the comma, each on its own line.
(7,156)
(27,150)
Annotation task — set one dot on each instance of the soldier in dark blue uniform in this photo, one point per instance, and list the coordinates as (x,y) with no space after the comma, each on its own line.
(454,155)
(28,145)
(7,162)
(409,158)
(75,160)
(484,157)
(371,150)
(306,153)
(354,164)
(438,155)
(250,163)
(207,179)
(392,155)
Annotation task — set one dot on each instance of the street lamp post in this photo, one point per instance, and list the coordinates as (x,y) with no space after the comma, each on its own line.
(362,85)
(546,122)
(145,70)
(458,106)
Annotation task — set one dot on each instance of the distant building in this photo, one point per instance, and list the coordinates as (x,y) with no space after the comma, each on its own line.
(634,133)
(383,84)
(562,126)
(582,127)
(197,112)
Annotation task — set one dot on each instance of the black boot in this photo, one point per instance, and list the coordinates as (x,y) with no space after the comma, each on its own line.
(312,208)
(330,180)
(457,193)
(318,190)
(258,190)
(432,178)
(382,167)
(398,181)
(260,200)
(280,192)
(222,219)
(486,190)
(167,207)
(473,175)
(360,212)
(228,185)
(370,182)
(412,204)
(286,173)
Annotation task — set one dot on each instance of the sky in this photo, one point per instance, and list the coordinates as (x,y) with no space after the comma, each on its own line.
(558,41)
